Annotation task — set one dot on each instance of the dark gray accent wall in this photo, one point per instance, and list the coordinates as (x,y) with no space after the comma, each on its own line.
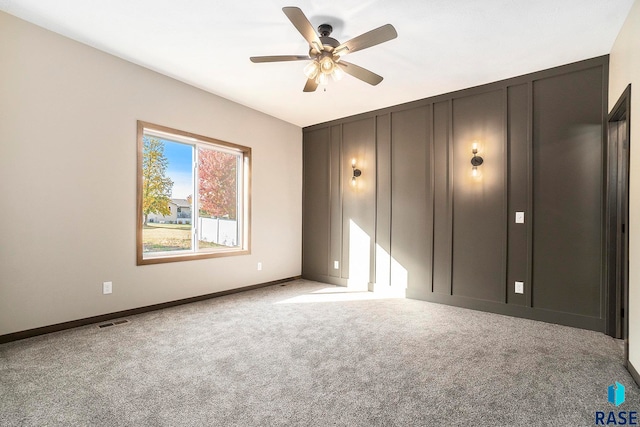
(316,206)
(335,203)
(518,146)
(411,198)
(479,211)
(418,220)
(358,202)
(568,192)
(442,200)
(383,201)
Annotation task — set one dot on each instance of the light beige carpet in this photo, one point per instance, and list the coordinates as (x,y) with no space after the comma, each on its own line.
(309,354)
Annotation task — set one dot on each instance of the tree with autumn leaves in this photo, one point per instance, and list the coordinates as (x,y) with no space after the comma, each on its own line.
(217,184)
(156,187)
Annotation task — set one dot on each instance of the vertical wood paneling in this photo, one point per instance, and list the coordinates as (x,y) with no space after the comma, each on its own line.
(441,204)
(478,204)
(518,161)
(383,206)
(335,203)
(568,185)
(418,219)
(358,202)
(411,219)
(315,210)
(528,290)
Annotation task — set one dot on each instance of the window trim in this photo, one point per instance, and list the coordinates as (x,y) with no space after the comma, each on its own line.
(245,221)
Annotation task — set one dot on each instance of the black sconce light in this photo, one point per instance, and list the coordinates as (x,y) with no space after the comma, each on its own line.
(475,160)
(356,172)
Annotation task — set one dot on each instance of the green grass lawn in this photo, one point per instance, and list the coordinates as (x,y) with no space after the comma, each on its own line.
(170,237)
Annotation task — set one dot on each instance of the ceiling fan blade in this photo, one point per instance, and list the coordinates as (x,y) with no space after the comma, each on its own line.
(311,85)
(279,58)
(360,73)
(302,24)
(368,39)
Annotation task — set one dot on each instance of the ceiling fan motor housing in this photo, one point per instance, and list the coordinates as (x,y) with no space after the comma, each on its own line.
(325,30)
(328,43)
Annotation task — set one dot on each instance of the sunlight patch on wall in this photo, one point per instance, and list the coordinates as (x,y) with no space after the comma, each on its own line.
(391,276)
(359,258)
(399,277)
(383,268)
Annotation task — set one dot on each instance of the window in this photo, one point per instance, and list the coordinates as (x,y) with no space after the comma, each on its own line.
(193,196)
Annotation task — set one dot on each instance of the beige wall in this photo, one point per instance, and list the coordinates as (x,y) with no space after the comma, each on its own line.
(68,182)
(625,69)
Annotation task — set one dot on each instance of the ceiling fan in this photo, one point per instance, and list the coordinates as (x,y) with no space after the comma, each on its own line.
(325,53)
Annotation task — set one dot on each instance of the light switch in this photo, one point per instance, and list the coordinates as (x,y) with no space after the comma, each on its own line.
(519,287)
(519,217)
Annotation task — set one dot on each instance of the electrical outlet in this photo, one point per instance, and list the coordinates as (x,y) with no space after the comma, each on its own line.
(336,265)
(259,266)
(519,287)
(107,287)
(519,217)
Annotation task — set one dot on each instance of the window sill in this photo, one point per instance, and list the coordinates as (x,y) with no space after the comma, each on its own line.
(161,259)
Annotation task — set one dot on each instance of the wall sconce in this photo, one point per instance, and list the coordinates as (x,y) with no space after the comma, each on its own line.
(475,160)
(356,172)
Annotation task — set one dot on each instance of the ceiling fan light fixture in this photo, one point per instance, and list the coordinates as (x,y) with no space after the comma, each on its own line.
(327,65)
(323,79)
(337,74)
(311,69)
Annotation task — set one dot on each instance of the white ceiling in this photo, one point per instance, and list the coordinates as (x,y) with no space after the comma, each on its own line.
(442,45)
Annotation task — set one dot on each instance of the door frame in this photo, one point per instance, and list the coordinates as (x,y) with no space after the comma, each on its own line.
(617,216)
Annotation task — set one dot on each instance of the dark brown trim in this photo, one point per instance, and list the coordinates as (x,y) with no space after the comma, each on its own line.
(530,219)
(449,188)
(634,373)
(432,189)
(505,194)
(624,101)
(15,336)
(604,243)
(620,111)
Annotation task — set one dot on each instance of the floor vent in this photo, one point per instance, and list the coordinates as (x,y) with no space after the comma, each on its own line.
(116,323)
